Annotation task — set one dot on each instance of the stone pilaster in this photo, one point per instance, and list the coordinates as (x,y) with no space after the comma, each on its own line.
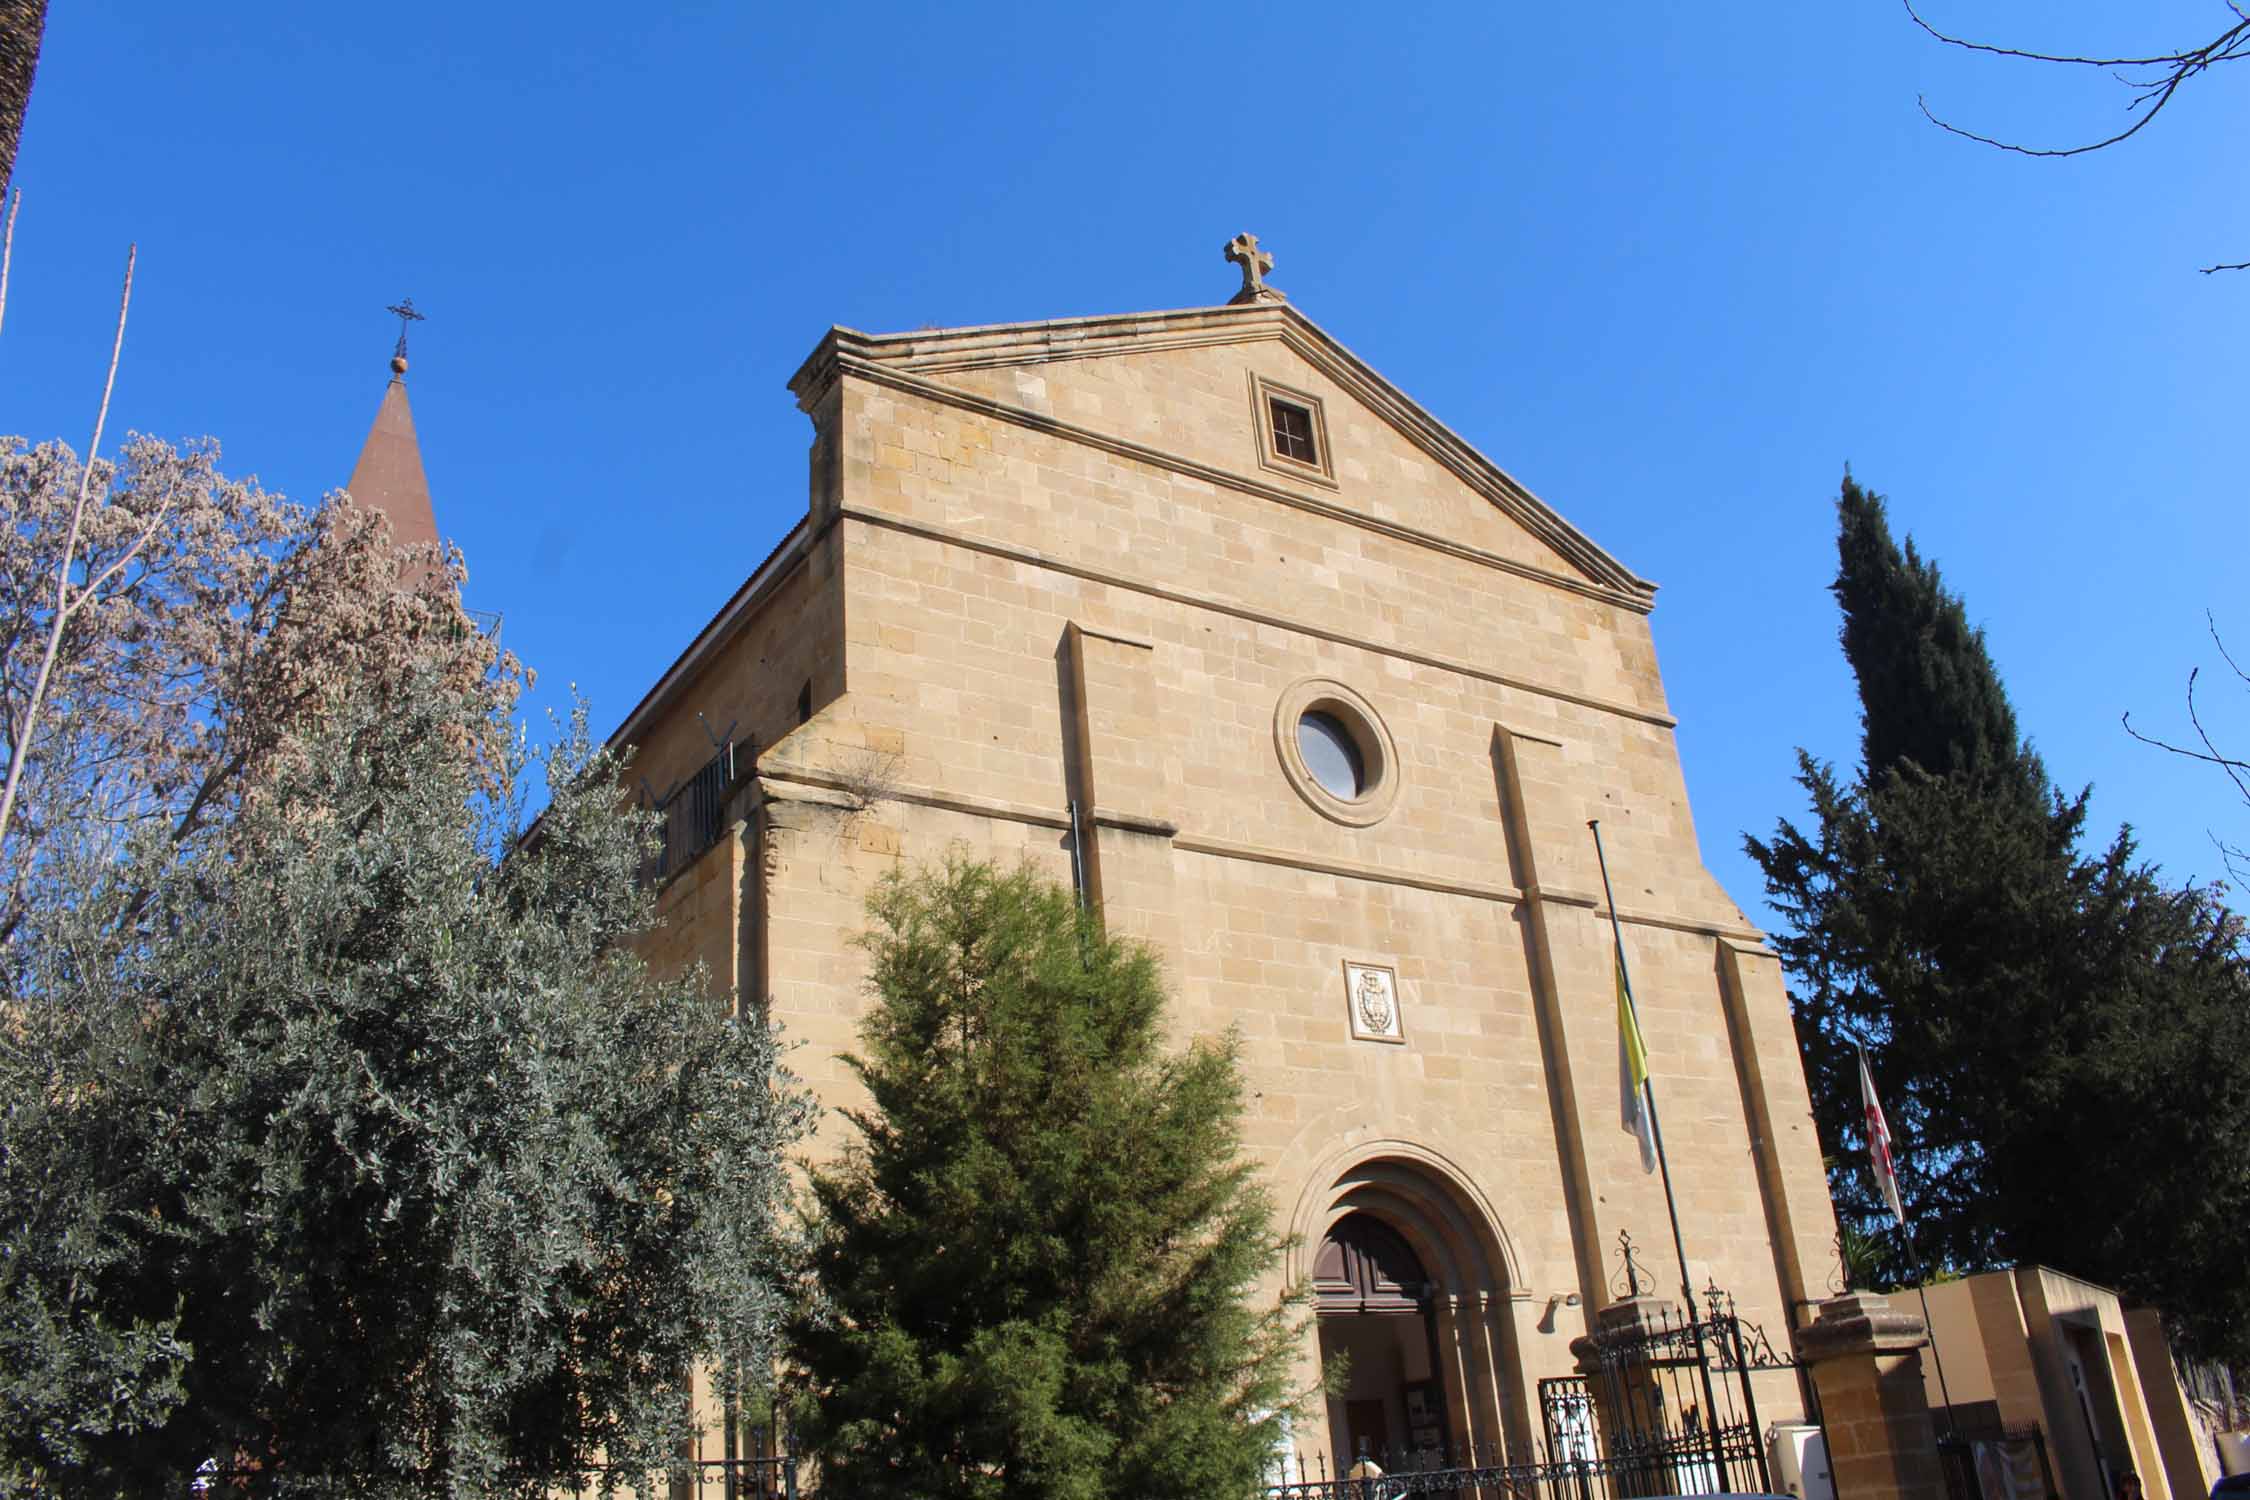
(1124,792)
(1470,1342)
(1866,1360)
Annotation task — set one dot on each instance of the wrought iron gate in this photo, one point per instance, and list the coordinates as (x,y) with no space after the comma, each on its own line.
(1670,1401)
(1668,1408)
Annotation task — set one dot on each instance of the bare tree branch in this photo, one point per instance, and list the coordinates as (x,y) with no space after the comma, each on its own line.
(2161,75)
(2228,46)
(2211,623)
(2210,754)
(64,608)
(2022,150)
(2236,769)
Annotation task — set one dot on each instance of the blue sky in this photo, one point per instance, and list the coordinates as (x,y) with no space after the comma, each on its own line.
(1671,266)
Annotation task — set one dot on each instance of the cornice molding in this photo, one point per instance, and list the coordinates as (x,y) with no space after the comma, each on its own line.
(790,783)
(1034,558)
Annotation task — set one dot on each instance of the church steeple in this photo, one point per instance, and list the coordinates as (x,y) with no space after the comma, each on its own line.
(388,476)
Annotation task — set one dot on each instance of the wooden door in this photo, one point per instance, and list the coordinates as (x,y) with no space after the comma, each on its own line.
(1370,1431)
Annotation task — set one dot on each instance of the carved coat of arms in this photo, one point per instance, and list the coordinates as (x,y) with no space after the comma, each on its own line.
(1372,993)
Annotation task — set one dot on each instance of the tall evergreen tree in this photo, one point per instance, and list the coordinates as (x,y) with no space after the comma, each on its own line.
(1923,913)
(1929,695)
(1044,1253)
(2012,995)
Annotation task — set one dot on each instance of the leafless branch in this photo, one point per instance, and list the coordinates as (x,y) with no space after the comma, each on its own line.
(2159,76)
(2211,623)
(2236,769)
(2210,754)
(2228,46)
(868,776)
(63,605)
(2164,98)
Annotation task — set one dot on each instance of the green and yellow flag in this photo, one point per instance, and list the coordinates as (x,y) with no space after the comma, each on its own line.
(1632,1072)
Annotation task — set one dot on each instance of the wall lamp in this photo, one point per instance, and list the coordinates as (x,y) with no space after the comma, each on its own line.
(1559,1299)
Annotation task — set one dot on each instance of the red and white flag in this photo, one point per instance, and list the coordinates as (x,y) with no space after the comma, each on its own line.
(1879,1141)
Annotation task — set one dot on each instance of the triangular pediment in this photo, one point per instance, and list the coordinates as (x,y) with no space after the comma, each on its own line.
(1155,362)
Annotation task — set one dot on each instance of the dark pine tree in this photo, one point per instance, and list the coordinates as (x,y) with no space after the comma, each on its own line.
(2026,1012)
(1048,1268)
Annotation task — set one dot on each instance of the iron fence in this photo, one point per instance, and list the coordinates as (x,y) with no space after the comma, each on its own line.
(765,1477)
(1487,1474)
(1669,1404)
(773,1478)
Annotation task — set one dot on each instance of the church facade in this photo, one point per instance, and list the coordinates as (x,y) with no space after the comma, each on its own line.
(1196,610)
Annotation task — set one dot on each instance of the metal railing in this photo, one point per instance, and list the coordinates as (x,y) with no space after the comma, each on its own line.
(1481,1473)
(769,1477)
(693,818)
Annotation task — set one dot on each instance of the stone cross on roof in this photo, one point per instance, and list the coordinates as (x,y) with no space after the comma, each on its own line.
(1243,251)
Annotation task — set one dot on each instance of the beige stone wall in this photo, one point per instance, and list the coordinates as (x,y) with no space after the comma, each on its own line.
(1958,1338)
(2070,1319)
(1051,574)
(749,679)
(2010,1337)
(2186,1433)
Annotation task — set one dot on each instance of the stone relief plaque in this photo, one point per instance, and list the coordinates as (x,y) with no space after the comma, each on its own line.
(1371,993)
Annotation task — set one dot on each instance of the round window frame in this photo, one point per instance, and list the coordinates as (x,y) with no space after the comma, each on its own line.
(1378,753)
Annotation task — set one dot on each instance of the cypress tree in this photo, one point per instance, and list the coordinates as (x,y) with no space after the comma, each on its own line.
(1929,695)
(2029,1014)
(1044,1254)
(1925,912)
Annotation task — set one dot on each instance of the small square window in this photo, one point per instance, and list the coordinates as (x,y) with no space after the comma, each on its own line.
(1293,431)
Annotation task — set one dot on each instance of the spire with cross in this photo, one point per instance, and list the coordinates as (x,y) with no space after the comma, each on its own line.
(1243,251)
(388,477)
(407,316)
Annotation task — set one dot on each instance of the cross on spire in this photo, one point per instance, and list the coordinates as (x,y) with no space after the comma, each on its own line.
(1243,251)
(407,316)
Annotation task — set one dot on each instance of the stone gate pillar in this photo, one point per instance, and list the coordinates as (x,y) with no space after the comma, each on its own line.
(1628,1397)
(1866,1360)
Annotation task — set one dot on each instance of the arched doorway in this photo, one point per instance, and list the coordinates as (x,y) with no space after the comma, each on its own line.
(1378,1315)
(1412,1282)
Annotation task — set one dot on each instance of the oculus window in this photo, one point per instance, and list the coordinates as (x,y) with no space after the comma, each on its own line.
(1331,755)
(1335,751)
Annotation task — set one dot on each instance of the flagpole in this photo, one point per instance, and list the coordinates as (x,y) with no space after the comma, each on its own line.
(1952,1426)
(1914,1263)
(1664,1167)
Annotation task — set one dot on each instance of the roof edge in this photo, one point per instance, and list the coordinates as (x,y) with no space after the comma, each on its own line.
(935,351)
(720,629)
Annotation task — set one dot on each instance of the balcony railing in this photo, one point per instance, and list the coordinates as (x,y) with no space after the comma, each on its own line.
(693,816)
